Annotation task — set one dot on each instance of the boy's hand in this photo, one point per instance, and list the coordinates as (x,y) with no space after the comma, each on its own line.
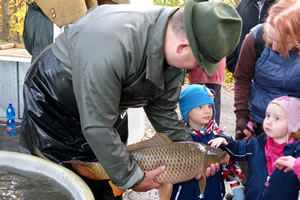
(285,161)
(216,142)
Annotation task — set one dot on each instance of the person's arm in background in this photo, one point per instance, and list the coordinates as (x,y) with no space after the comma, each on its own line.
(243,76)
(231,60)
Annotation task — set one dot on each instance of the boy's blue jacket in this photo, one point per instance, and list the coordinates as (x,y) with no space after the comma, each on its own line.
(189,190)
(282,186)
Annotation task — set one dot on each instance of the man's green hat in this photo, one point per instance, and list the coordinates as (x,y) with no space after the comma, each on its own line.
(213,30)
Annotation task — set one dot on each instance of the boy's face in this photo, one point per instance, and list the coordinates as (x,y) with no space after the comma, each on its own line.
(276,124)
(199,116)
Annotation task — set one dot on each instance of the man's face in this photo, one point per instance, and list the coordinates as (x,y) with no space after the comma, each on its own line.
(180,55)
(187,60)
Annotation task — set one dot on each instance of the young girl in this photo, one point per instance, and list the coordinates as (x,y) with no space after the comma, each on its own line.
(265,180)
(198,110)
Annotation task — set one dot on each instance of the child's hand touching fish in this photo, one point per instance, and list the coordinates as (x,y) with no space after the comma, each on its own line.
(216,142)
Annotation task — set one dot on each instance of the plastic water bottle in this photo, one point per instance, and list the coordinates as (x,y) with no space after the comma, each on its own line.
(10,112)
(11,127)
(10,124)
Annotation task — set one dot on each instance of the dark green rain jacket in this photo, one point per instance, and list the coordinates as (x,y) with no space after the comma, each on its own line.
(116,58)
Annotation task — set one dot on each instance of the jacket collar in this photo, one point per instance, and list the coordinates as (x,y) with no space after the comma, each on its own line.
(155,51)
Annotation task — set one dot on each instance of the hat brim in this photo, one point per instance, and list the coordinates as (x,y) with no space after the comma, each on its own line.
(209,67)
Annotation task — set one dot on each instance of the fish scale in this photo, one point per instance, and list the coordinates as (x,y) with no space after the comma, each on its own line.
(183,161)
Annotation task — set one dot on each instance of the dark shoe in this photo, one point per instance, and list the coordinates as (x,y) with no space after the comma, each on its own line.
(228,196)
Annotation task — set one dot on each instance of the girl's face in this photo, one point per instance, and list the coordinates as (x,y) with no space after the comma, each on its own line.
(276,124)
(199,116)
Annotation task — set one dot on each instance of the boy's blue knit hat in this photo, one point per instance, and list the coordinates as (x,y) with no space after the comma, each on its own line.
(193,96)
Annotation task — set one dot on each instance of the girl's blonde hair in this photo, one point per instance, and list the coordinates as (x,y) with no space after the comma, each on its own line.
(296,135)
(284,16)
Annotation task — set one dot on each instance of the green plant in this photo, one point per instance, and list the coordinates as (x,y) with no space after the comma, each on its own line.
(179,3)
(17,19)
(228,77)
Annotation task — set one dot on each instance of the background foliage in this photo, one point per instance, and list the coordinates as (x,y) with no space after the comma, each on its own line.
(180,3)
(12,19)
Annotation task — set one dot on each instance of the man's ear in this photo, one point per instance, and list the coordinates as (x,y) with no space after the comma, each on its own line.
(181,45)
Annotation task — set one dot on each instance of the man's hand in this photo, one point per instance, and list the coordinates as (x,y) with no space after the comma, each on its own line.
(210,171)
(149,183)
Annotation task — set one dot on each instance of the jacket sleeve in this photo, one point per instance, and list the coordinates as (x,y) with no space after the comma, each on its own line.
(297,167)
(97,78)
(163,117)
(243,76)
(296,154)
(239,150)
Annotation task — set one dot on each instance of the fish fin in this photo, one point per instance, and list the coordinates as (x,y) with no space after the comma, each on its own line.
(82,170)
(202,184)
(165,191)
(115,190)
(87,169)
(158,139)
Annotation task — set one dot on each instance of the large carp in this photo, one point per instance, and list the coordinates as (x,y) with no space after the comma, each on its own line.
(183,160)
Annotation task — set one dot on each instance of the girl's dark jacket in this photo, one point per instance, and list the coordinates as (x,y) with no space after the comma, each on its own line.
(282,186)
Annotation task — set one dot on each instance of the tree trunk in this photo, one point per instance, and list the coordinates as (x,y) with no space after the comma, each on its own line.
(5,20)
(17,20)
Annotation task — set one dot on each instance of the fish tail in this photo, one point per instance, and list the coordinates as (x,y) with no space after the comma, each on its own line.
(115,190)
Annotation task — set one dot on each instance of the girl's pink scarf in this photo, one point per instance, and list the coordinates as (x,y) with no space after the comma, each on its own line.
(273,151)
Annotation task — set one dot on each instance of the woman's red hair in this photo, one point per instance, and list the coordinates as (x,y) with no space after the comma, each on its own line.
(284,16)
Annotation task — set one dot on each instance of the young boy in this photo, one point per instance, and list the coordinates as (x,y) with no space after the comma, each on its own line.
(198,110)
